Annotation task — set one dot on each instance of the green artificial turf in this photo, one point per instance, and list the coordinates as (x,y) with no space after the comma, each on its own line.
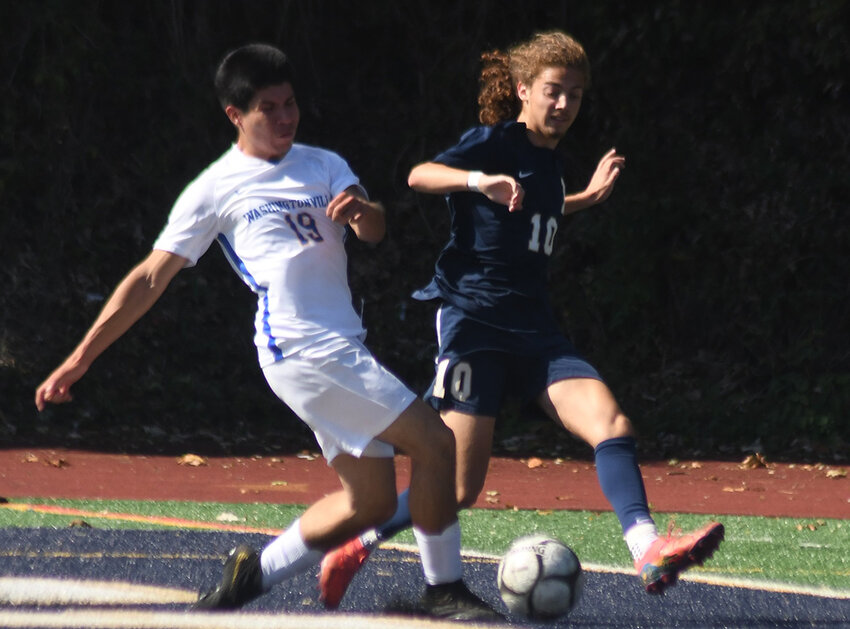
(808,553)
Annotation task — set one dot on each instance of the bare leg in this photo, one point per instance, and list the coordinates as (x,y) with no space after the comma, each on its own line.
(419,433)
(368,498)
(587,408)
(474,441)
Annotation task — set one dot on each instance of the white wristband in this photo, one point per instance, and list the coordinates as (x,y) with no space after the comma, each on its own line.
(472,180)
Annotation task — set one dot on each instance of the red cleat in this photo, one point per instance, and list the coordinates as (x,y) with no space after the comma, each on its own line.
(660,566)
(338,569)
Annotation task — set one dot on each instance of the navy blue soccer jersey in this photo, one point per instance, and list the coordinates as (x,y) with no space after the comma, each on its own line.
(495,264)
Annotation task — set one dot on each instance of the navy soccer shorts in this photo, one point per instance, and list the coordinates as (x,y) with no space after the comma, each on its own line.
(479,366)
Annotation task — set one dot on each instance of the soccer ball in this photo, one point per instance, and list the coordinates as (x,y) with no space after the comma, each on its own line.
(540,577)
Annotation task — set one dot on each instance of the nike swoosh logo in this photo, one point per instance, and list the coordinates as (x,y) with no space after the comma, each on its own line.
(525,174)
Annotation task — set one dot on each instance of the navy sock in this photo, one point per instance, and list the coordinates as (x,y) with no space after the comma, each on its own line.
(620,480)
(400,521)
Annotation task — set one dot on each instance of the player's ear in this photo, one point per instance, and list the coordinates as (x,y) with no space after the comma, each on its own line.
(522,91)
(234,114)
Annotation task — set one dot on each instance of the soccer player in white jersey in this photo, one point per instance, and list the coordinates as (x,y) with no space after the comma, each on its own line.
(280,211)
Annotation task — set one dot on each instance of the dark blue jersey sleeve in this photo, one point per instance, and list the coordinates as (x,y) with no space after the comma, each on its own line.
(482,148)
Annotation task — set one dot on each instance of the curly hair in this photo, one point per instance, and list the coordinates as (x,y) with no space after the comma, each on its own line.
(500,72)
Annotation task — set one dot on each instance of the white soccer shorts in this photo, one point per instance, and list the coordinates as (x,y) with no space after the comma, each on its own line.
(343,394)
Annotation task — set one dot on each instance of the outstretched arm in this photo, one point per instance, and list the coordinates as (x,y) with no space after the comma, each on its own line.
(133,297)
(601,184)
(365,217)
(435,178)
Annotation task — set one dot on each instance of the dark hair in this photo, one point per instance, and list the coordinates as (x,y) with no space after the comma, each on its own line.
(497,98)
(246,70)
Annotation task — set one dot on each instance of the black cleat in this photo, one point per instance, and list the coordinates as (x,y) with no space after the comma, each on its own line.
(454,601)
(242,581)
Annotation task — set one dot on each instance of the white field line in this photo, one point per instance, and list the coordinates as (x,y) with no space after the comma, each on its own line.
(43,591)
(132,619)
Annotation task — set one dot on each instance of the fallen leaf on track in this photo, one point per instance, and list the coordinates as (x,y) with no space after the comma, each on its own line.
(192,460)
(228,517)
(80,524)
(754,461)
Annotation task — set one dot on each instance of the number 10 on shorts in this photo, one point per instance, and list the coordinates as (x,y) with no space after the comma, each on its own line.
(461,380)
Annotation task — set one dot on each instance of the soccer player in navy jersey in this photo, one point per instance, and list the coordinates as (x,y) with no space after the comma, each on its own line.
(496,330)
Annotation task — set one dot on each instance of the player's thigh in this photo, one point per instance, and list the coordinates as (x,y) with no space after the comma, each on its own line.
(473,444)
(419,433)
(587,408)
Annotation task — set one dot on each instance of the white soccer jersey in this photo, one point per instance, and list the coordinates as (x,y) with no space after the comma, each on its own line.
(269,219)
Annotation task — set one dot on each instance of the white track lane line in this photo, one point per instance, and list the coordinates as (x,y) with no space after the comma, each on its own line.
(43,591)
(135,619)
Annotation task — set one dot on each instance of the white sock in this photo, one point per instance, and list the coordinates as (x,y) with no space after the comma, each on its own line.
(639,537)
(440,554)
(369,539)
(287,556)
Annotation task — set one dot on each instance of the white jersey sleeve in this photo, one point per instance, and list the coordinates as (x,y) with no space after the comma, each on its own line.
(192,224)
(340,176)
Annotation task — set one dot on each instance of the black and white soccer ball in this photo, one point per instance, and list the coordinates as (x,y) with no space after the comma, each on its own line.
(540,577)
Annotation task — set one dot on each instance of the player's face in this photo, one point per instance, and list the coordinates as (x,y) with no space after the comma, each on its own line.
(550,104)
(267,128)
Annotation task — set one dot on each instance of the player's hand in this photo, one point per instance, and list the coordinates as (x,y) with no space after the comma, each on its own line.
(503,190)
(57,388)
(346,207)
(602,183)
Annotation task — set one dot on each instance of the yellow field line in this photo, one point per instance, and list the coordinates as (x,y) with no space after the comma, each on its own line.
(135,517)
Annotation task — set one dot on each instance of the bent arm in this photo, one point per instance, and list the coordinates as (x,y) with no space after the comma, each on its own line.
(435,178)
(367,218)
(601,183)
(133,297)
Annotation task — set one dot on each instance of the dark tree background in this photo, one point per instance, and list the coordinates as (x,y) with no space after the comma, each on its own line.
(711,290)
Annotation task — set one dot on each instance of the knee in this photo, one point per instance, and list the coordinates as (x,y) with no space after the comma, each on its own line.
(601,426)
(612,427)
(443,439)
(621,426)
(436,445)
